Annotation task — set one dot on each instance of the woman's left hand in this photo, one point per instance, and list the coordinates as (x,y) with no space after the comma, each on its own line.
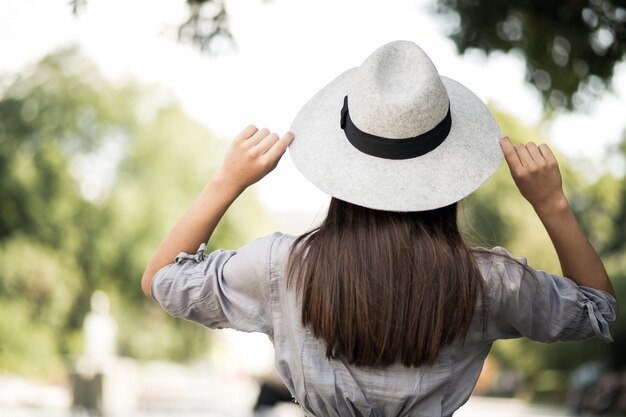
(251,156)
(536,173)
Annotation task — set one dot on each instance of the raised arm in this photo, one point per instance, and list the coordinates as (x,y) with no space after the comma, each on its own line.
(251,156)
(536,173)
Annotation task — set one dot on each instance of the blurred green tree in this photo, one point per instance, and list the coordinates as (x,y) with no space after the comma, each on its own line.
(613,238)
(570,48)
(92,177)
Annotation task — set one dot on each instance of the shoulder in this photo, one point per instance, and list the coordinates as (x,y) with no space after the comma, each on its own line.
(272,251)
(278,246)
(498,262)
(274,244)
(281,242)
(487,255)
(504,275)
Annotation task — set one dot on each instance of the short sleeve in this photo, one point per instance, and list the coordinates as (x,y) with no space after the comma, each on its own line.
(543,307)
(222,289)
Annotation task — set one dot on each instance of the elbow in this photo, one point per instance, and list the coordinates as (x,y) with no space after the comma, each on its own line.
(616,303)
(146,281)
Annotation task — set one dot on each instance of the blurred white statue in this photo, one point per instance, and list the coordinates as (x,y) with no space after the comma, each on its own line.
(103,383)
(100,329)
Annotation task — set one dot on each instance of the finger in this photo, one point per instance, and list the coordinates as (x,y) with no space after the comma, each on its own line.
(535,154)
(246,133)
(258,137)
(267,143)
(524,156)
(279,148)
(547,153)
(509,154)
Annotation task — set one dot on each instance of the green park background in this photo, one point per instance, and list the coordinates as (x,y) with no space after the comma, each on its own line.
(61,241)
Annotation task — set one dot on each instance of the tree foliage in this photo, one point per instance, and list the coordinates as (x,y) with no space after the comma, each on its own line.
(92,177)
(570,48)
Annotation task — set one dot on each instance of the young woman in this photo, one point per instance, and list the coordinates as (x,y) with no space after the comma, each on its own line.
(384,310)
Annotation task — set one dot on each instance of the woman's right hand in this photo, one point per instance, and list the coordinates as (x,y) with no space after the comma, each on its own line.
(536,173)
(252,155)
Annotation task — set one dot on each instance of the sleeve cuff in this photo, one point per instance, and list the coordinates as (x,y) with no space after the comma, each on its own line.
(601,309)
(196,257)
(180,258)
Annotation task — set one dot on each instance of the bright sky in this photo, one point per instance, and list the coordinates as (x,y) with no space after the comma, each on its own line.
(287,50)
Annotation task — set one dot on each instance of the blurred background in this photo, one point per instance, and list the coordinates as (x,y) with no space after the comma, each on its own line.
(114,114)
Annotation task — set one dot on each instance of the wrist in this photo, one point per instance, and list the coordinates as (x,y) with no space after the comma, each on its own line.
(554,207)
(225,185)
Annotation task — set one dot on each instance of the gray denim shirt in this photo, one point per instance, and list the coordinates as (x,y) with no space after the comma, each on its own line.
(245,290)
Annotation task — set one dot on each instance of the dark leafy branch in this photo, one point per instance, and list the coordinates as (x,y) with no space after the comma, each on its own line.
(571,47)
(77,6)
(206,27)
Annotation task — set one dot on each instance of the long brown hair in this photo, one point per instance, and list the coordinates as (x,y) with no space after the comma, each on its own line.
(382,287)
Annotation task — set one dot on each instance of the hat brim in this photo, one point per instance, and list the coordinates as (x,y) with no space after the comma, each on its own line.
(468,156)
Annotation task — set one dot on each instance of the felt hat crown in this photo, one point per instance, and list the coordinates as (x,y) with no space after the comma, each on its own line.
(389,101)
(394,135)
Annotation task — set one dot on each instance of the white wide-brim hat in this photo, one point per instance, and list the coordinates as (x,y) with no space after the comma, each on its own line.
(394,135)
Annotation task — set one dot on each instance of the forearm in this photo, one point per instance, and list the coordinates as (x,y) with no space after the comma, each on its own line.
(579,260)
(193,228)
